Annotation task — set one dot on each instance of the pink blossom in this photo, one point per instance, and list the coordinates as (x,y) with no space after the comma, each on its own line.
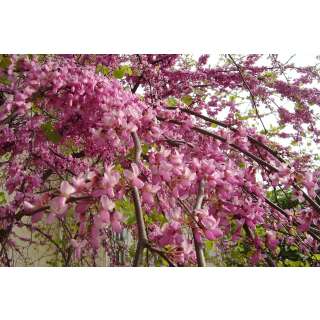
(211,224)
(58,205)
(106,203)
(62,117)
(110,180)
(67,189)
(271,240)
(116,219)
(104,216)
(37,217)
(148,191)
(28,206)
(78,246)
(132,176)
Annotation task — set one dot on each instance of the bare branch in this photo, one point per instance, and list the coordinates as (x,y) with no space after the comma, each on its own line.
(142,234)
(199,246)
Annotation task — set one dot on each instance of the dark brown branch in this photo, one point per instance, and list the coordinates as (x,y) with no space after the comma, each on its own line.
(217,137)
(138,254)
(142,234)
(161,254)
(199,246)
(250,155)
(312,231)
(224,125)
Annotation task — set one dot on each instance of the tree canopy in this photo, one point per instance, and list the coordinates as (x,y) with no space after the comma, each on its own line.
(159,160)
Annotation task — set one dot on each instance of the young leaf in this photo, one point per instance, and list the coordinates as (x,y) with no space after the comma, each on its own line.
(122,71)
(5,62)
(102,69)
(50,133)
(4,80)
(2,198)
(187,100)
(172,102)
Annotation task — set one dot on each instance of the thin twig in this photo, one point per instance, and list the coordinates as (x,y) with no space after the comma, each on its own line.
(254,104)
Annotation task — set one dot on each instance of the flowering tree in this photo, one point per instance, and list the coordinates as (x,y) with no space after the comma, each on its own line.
(159,159)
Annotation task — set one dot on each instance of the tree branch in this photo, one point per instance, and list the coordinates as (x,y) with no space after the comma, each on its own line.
(199,246)
(224,125)
(254,104)
(250,155)
(142,234)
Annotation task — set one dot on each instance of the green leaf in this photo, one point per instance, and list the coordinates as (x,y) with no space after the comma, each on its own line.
(50,133)
(232,98)
(156,217)
(171,102)
(127,209)
(208,245)
(187,100)
(4,80)
(118,73)
(291,263)
(102,69)
(271,76)
(213,125)
(242,165)
(2,198)
(128,70)
(118,167)
(122,71)
(69,147)
(5,62)
(35,109)
(131,220)
(145,148)
(260,231)
(240,117)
